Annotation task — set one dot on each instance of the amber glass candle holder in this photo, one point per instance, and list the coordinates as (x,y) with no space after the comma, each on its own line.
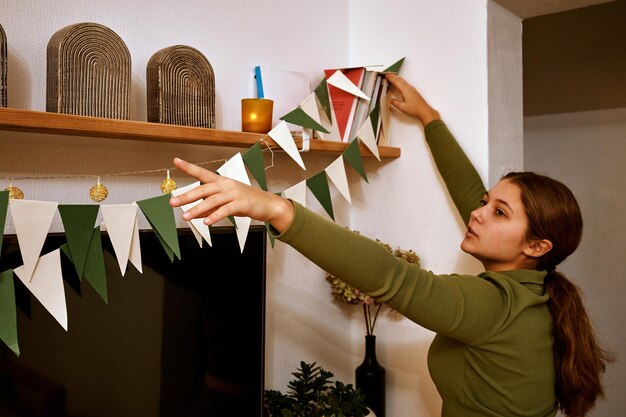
(256,115)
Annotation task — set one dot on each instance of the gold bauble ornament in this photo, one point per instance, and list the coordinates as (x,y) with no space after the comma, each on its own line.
(15,192)
(168,185)
(98,192)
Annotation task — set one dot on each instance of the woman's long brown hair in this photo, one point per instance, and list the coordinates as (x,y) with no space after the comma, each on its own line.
(554,214)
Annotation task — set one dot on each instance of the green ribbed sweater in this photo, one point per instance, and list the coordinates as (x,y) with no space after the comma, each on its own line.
(492,354)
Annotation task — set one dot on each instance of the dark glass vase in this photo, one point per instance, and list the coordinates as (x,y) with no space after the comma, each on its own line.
(370,378)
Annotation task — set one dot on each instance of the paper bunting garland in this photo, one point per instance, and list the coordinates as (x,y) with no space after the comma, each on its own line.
(42,275)
(235,169)
(253,158)
(321,92)
(337,174)
(197,226)
(318,184)
(352,155)
(78,222)
(8,316)
(161,217)
(297,193)
(32,221)
(282,136)
(94,271)
(395,67)
(301,118)
(46,284)
(339,80)
(367,135)
(120,222)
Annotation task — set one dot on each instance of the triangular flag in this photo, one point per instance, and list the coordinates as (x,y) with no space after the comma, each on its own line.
(282,136)
(8,318)
(78,222)
(46,285)
(95,271)
(395,68)
(253,158)
(321,92)
(300,118)
(339,80)
(352,155)
(32,221)
(160,215)
(368,137)
(120,222)
(235,169)
(297,193)
(337,174)
(318,184)
(4,203)
(197,226)
(311,108)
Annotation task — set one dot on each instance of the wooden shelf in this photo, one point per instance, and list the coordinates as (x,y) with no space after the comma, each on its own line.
(65,124)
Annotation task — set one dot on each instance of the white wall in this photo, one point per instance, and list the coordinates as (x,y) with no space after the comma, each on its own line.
(404,204)
(586,151)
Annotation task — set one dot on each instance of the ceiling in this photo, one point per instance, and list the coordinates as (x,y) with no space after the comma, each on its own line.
(531,8)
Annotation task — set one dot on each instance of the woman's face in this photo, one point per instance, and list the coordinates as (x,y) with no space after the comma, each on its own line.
(496,233)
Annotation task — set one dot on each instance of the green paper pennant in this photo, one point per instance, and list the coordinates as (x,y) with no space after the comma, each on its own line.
(300,118)
(4,202)
(374,117)
(270,235)
(78,221)
(8,317)
(318,184)
(352,155)
(253,158)
(95,271)
(395,68)
(321,92)
(160,215)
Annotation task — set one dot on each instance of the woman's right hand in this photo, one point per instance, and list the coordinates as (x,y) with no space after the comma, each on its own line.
(223,197)
(411,101)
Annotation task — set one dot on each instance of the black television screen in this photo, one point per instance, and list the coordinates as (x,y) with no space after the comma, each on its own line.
(182,339)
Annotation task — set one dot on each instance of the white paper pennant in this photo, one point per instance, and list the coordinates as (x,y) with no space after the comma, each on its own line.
(337,174)
(282,136)
(297,193)
(368,137)
(120,221)
(197,226)
(46,284)
(235,169)
(32,220)
(339,80)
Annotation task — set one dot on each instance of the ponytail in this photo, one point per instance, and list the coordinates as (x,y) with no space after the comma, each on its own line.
(579,361)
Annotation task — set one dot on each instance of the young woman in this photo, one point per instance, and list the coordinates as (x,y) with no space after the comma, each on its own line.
(514,340)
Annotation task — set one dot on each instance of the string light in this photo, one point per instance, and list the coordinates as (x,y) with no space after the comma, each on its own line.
(168,185)
(99,192)
(14,192)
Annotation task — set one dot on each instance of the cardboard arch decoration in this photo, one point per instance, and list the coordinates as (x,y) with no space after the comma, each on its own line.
(181,87)
(88,72)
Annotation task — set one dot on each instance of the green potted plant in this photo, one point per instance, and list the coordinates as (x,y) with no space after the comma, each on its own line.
(313,394)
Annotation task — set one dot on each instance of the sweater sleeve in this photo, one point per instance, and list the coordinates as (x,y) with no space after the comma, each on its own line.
(462,180)
(462,307)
